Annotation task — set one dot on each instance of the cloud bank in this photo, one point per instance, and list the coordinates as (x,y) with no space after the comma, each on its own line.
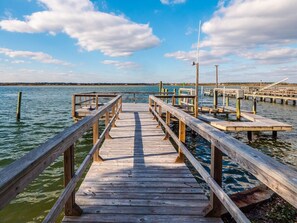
(111,34)
(37,56)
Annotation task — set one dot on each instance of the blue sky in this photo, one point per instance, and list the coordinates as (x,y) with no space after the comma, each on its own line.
(147,40)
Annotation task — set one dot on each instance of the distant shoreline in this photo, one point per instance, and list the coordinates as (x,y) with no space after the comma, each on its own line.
(145,84)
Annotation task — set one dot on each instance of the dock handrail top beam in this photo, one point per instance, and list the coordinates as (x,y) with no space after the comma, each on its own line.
(24,170)
(279,177)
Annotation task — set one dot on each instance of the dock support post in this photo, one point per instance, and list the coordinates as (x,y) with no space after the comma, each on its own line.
(238,109)
(254,105)
(250,135)
(168,116)
(215,207)
(182,138)
(18,114)
(227,100)
(294,102)
(274,134)
(71,208)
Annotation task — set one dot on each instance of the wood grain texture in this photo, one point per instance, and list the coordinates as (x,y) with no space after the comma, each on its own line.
(139,181)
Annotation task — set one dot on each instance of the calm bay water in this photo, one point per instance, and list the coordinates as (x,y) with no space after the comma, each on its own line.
(46,111)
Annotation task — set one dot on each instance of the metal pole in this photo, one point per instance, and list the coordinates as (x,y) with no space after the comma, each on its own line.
(217,76)
(196,91)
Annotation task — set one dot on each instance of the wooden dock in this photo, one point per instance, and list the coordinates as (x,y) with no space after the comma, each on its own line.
(135,173)
(139,180)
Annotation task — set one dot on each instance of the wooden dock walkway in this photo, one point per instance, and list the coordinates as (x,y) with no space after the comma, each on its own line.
(139,181)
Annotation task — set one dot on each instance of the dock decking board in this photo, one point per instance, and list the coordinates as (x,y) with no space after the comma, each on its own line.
(138,181)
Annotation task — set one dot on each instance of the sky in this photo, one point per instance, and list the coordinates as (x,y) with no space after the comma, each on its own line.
(132,41)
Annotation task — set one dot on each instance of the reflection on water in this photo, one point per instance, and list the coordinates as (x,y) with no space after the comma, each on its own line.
(47,110)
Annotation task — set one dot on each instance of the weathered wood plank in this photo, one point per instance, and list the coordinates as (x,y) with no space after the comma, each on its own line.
(139,179)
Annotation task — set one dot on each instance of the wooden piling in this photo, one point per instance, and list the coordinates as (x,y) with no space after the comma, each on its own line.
(18,113)
(215,99)
(254,105)
(160,86)
(238,109)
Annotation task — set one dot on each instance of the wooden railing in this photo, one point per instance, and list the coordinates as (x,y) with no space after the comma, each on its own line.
(15,177)
(278,177)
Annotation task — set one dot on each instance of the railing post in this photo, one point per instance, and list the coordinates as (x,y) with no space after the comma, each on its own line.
(71,208)
(96,156)
(214,209)
(182,138)
(113,114)
(227,100)
(121,104)
(107,136)
(179,99)
(97,102)
(160,114)
(168,116)
(73,105)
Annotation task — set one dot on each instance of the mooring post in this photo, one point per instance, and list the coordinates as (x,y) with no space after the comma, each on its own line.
(238,108)
(227,100)
(215,207)
(215,99)
(274,134)
(182,138)
(160,86)
(18,114)
(71,208)
(254,105)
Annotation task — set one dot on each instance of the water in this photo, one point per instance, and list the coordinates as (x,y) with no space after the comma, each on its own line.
(46,111)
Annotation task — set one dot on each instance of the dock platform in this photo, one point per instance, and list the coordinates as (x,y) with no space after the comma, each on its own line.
(139,180)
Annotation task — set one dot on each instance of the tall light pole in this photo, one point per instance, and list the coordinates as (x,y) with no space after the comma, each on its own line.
(196,103)
(217,76)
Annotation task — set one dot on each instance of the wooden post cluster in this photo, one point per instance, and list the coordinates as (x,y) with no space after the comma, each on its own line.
(18,113)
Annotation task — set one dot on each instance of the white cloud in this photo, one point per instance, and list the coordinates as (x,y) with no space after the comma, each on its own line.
(283,55)
(172,2)
(94,30)
(248,23)
(37,56)
(121,65)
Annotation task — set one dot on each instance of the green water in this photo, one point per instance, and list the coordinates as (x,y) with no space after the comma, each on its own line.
(46,111)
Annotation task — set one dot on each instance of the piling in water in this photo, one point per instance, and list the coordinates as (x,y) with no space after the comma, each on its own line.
(18,113)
